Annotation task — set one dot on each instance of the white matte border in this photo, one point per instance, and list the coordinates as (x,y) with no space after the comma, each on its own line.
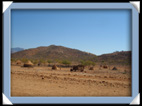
(6,100)
(6,4)
(136,100)
(136,5)
(64,6)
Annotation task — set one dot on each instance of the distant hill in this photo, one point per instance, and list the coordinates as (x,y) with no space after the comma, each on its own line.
(17,49)
(123,57)
(54,52)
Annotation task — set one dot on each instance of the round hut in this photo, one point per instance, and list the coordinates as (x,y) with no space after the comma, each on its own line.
(114,68)
(54,67)
(18,62)
(28,64)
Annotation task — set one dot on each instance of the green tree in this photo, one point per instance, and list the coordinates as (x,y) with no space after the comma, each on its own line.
(24,60)
(82,62)
(92,63)
(49,61)
(42,61)
(58,61)
(103,62)
(13,60)
(87,63)
(35,61)
(66,62)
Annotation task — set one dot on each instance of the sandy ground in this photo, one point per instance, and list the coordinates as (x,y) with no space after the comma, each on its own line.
(42,81)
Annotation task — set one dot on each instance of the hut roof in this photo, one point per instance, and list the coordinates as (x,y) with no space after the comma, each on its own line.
(29,62)
(114,68)
(18,61)
(54,67)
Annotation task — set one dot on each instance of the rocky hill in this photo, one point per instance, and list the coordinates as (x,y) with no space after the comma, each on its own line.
(123,57)
(53,52)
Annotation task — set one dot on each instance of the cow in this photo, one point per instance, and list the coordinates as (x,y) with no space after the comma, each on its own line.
(105,66)
(78,67)
(39,64)
(91,68)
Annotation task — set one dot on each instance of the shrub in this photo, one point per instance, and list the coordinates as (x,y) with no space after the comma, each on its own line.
(87,63)
(49,61)
(24,60)
(66,62)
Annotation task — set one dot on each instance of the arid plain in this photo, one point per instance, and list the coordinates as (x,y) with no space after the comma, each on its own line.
(43,81)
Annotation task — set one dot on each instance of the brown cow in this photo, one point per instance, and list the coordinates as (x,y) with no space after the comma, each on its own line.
(91,68)
(39,64)
(105,66)
(78,67)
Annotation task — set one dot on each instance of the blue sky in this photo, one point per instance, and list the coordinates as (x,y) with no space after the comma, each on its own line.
(94,31)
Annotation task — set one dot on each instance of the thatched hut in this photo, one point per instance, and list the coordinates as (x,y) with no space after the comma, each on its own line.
(114,68)
(28,64)
(54,67)
(18,62)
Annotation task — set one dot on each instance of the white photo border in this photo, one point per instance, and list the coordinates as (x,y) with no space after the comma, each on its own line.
(69,100)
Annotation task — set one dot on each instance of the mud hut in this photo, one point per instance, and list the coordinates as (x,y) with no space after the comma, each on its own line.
(114,68)
(28,64)
(18,62)
(54,67)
